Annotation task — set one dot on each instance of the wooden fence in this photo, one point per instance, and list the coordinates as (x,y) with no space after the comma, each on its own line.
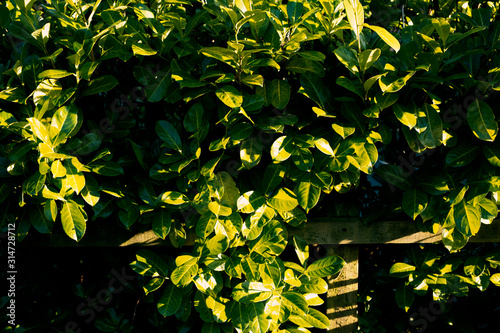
(347,233)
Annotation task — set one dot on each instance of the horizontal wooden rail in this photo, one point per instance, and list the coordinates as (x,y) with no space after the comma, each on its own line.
(325,231)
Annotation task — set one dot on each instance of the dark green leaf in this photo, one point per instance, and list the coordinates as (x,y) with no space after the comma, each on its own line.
(481,120)
(278,92)
(100,85)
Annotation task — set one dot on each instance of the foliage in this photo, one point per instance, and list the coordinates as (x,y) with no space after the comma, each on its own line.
(235,121)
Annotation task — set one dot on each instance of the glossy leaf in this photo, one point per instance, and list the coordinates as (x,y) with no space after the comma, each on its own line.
(72,220)
(172,198)
(230,96)
(385,36)
(169,135)
(283,200)
(279,92)
(100,85)
(307,195)
(355,15)
(414,203)
(481,120)
(170,301)
(326,266)
(251,152)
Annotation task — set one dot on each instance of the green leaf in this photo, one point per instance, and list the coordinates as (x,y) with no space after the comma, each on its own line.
(239,314)
(40,130)
(100,85)
(295,302)
(218,209)
(50,210)
(414,203)
(187,267)
(282,148)
(294,10)
(57,168)
(35,183)
(170,301)
(260,322)
(303,66)
(253,80)
(325,266)
(15,95)
(72,220)
(75,178)
(355,15)
(273,176)
(169,135)
(351,85)
(385,36)
(301,249)
(217,244)
(432,136)
(230,96)
(54,74)
(313,285)
(222,54)
(172,198)
(401,270)
(492,154)
(129,214)
(481,120)
(283,200)
(303,159)
(404,296)
(250,202)
(467,218)
(143,49)
(153,284)
(251,292)
(278,92)
(90,193)
(495,279)
(367,58)
(489,210)
(108,169)
(442,27)
(405,115)
(64,121)
(317,319)
(453,239)
(347,57)
(307,195)
(205,225)
(157,266)
(193,119)
(251,152)
(313,88)
(161,223)
(38,220)
(461,155)
(90,142)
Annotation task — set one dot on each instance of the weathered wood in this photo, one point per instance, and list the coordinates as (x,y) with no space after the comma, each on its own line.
(342,295)
(325,231)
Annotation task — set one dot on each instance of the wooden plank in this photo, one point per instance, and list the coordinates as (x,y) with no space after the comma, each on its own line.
(342,295)
(325,231)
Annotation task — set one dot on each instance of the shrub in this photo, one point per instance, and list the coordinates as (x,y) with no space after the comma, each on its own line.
(219,125)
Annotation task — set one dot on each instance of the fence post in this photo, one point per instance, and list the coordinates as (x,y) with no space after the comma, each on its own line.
(342,296)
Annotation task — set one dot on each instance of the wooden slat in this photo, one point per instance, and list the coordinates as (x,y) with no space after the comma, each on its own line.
(342,295)
(324,231)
